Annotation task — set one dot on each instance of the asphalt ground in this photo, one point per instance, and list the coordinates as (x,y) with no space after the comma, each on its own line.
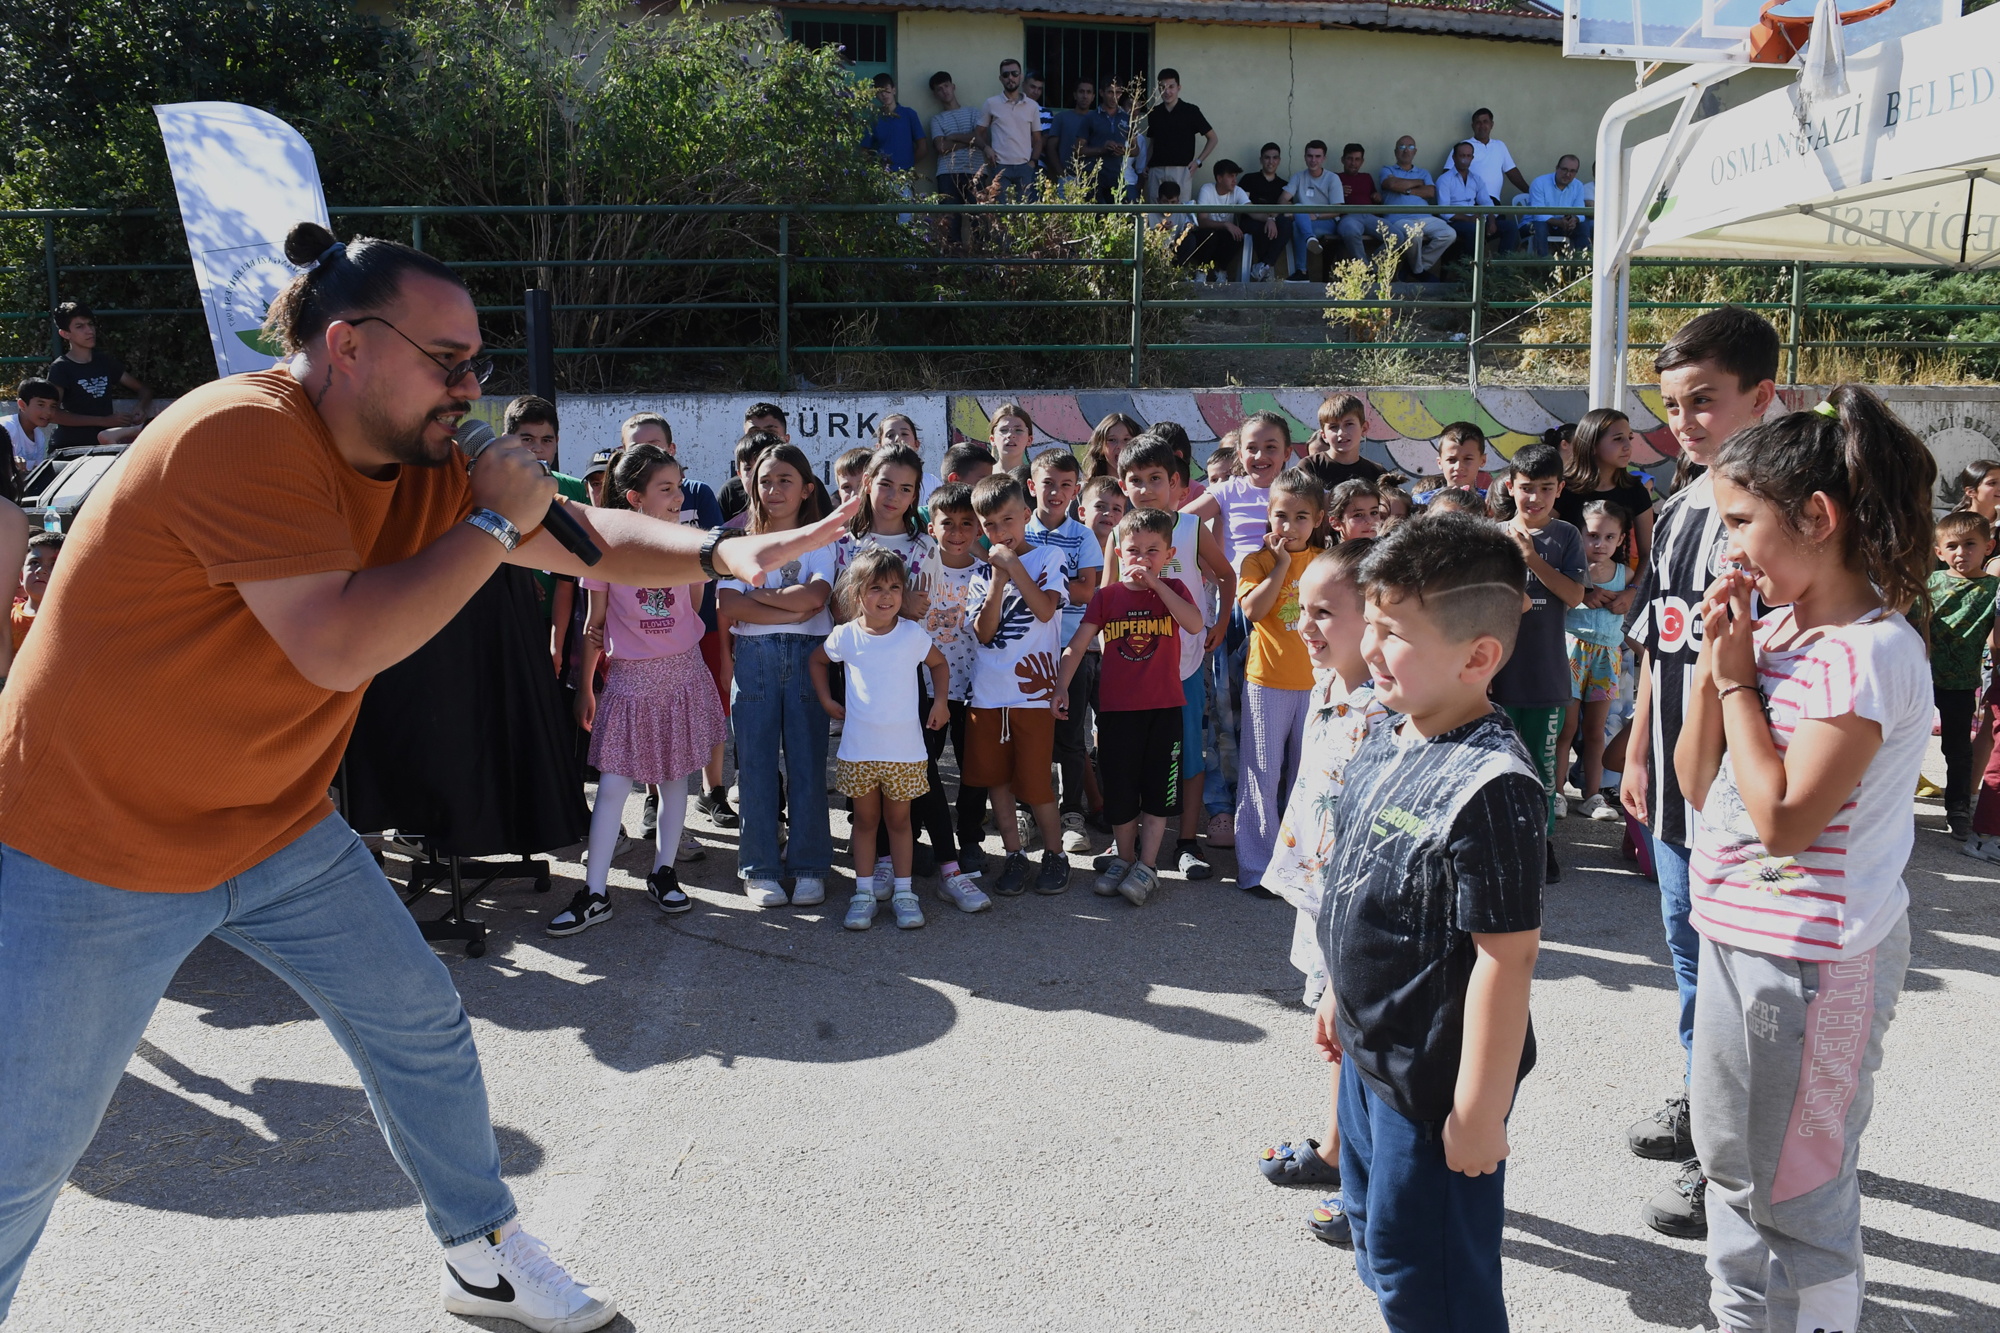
(1042,1117)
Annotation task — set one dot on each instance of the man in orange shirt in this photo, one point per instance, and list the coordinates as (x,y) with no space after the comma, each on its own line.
(269,544)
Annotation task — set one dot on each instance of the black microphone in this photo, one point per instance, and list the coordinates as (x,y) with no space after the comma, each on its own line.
(474,436)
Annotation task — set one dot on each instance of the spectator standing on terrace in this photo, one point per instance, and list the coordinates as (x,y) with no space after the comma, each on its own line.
(1067,130)
(956,142)
(1459,188)
(1104,143)
(89,379)
(1314,185)
(898,133)
(1404,182)
(1559,189)
(1492,164)
(1358,187)
(1267,235)
(1172,127)
(1010,132)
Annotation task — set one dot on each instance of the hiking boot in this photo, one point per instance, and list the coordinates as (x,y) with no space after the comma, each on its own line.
(1681,1209)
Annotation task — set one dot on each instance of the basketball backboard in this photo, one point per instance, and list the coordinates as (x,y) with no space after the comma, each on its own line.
(1686,32)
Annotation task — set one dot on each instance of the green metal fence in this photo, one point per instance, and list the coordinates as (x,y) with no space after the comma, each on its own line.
(1150,290)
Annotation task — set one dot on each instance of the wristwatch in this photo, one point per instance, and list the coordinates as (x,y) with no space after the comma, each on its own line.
(495,526)
(715,538)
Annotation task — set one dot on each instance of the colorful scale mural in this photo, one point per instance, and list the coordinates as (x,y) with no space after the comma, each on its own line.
(1403,424)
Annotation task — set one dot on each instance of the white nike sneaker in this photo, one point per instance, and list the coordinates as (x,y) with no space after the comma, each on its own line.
(509,1275)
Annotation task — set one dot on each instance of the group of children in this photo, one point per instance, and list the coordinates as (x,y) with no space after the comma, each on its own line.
(1402,692)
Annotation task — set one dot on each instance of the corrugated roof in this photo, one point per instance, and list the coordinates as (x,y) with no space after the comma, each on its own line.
(1528,20)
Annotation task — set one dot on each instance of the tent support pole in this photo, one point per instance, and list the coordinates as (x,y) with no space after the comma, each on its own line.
(1623,215)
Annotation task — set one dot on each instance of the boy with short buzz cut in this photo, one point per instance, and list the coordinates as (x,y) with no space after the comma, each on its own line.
(850,471)
(1154,476)
(1534,686)
(768,418)
(1718,375)
(1461,458)
(35,403)
(43,548)
(1430,924)
(1343,423)
(968,464)
(1014,598)
(1961,627)
(1142,617)
(1057,476)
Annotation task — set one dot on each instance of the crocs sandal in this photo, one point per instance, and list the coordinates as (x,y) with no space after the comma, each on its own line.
(1287,1165)
(1326,1221)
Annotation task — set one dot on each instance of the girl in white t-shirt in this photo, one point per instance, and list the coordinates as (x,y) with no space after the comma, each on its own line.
(774,628)
(882,762)
(1803,737)
(660,715)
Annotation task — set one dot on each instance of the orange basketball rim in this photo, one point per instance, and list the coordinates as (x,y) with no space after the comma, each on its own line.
(1778,37)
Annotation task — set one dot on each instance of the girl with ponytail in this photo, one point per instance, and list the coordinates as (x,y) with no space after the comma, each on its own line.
(1803,736)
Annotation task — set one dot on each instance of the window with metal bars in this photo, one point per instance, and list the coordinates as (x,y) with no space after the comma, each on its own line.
(1066,52)
(867,43)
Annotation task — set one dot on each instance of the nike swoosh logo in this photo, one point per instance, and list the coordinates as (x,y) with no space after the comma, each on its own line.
(502,1290)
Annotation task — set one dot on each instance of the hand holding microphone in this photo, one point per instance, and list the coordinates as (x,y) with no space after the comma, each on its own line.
(512,482)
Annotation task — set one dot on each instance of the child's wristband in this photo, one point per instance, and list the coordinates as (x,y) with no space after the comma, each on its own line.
(1722,694)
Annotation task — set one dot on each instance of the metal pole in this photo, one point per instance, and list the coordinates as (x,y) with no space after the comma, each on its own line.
(784,300)
(417,236)
(1798,323)
(49,267)
(1138,293)
(541,343)
(1478,293)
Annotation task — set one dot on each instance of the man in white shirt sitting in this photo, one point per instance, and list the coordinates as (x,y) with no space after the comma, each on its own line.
(1216,238)
(1560,189)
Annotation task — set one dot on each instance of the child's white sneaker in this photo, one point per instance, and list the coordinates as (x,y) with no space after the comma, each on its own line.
(509,1275)
(860,910)
(1601,810)
(885,880)
(1562,806)
(808,892)
(764,892)
(1983,847)
(909,912)
(960,891)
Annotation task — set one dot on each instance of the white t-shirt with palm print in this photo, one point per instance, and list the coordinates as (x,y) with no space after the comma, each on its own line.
(1018,669)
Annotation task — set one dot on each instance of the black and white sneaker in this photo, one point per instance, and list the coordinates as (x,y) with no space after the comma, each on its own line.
(584,911)
(509,1275)
(1190,863)
(665,887)
(1681,1209)
(1667,1135)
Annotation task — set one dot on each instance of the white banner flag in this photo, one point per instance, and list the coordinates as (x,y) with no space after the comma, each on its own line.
(243,177)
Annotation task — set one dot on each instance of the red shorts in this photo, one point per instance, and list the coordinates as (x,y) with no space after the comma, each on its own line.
(711,654)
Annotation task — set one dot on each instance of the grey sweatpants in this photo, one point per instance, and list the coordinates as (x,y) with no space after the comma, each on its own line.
(1274,732)
(1783,1082)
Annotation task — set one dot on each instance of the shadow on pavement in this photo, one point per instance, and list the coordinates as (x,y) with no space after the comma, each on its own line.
(1663,1285)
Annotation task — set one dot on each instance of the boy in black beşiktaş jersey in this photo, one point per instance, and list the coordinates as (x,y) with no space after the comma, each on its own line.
(1717,377)
(1430,925)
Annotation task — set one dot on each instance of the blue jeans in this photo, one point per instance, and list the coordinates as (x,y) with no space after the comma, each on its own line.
(774,706)
(1355,229)
(1578,239)
(1670,863)
(1218,793)
(82,966)
(1017,184)
(1304,228)
(1426,1238)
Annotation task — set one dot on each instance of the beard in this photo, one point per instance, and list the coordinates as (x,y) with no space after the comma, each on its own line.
(403,439)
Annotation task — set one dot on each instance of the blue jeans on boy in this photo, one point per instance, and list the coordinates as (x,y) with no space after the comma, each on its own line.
(82,966)
(1426,1238)
(774,705)
(1670,864)
(1304,228)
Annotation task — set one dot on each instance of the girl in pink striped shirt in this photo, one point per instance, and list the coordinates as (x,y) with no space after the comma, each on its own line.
(1804,733)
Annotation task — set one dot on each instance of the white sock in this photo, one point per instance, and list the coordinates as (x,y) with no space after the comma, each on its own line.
(607,819)
(673,818)
(903,885)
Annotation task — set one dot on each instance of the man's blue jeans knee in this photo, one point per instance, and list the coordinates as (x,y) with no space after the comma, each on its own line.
(1355,229)
(82,966)
(1304,229)
(1670,863)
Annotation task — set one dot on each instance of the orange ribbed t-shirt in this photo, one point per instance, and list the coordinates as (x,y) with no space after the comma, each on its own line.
(153,736)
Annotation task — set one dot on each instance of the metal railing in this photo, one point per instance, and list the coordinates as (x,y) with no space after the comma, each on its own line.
(786,258)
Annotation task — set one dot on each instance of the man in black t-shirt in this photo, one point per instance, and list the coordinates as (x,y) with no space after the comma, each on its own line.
(1172,127)
(87,378)
(1267,231)
(1430,925)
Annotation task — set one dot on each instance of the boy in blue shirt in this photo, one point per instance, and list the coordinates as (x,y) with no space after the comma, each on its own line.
(1056,478)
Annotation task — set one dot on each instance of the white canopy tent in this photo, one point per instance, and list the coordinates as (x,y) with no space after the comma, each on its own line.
(1903,168)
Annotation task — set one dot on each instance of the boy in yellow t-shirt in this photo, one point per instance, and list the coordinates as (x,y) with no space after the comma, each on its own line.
(1278,677)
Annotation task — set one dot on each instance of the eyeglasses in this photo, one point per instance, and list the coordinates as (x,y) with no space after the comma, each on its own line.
(479,367)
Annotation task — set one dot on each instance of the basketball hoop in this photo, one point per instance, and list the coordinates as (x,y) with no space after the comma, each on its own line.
(1777,38)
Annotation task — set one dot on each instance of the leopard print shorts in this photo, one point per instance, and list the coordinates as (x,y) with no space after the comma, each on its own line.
(899,782)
